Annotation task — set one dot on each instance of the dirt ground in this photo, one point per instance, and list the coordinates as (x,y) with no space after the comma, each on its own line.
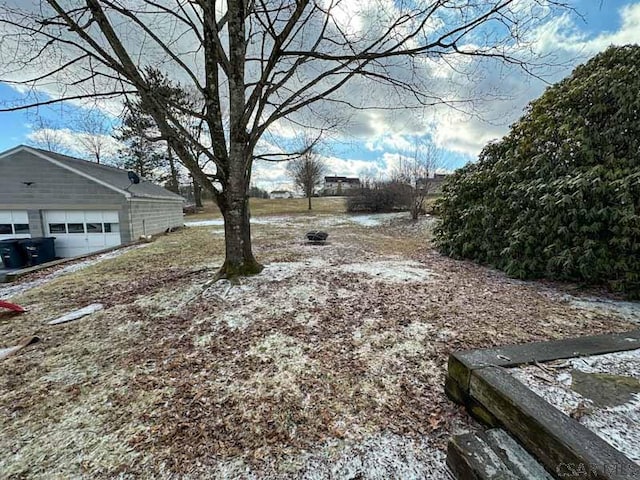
(328,364)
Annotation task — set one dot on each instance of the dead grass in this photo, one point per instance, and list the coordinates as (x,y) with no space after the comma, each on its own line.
(279,206)
(331,359)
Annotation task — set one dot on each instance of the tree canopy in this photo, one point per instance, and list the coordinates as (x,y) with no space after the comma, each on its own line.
(559,196)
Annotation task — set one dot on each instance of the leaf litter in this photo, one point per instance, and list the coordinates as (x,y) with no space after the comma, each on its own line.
(312,369)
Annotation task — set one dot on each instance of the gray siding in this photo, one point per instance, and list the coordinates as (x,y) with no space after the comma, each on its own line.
(52,187)
(149,217)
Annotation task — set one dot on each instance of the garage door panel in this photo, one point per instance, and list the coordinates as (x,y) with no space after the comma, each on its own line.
(14,224)
(75,217)
(97,241)
(65,252)
(14,216)
(96,216)
(56,216)
(81,232)
(112,240)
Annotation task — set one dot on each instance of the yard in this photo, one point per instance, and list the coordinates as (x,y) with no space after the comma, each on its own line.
(328,364)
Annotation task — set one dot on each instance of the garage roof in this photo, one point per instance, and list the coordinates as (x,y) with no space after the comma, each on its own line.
(111,177)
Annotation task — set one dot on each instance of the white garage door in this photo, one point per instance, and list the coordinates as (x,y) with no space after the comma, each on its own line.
(79,232)
(14,224)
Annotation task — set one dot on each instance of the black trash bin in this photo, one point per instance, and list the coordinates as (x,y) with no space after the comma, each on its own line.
(12,255)
(39,250)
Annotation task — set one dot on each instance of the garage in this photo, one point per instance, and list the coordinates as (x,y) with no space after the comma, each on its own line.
(14,224)
(78,232)
(86,206)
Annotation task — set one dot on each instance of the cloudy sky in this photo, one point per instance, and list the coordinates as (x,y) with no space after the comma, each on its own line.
(373,140)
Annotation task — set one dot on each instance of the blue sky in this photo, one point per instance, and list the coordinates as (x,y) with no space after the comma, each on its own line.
(459,138)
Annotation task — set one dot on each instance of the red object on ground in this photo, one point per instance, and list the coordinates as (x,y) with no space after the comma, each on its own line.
(12,306)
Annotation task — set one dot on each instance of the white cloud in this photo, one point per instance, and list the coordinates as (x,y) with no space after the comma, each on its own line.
(75,143)
(387,131)
(561,37)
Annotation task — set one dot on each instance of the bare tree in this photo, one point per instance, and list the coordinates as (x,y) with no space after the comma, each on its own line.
(307,172)
(94,133)
(47,135)
(417,169)
(254,65)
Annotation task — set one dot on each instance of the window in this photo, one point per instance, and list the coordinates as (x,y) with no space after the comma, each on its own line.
(5,229)
(75,227)
(94,228)
(57,228)
(21,228)
(111,228)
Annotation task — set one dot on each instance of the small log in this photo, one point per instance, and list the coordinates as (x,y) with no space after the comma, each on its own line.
(76,314)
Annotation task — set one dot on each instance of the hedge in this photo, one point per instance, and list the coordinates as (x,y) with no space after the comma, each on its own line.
(559,196)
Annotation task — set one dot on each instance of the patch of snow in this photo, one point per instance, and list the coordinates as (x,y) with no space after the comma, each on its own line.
(129,328)
(377,457)
(445,335)
(617,425)
(278,271)
(254,220)
(628,310)
(618,363)
(365,220)
(205,223)
(375,219)
(391,271)
(168,301)
(237,320)
(204,340)
(283,351)
(328,220)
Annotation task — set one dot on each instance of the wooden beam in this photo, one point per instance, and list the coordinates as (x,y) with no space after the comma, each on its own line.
(561,444)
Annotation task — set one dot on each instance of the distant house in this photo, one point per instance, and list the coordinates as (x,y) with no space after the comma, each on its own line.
(433,185)
(87,207)
(340,185)
(281,194)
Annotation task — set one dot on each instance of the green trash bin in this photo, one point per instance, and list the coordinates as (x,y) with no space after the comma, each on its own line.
(39,250)
(12,255)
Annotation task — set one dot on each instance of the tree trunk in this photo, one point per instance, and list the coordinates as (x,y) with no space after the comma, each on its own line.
(309,197)
(234,205)
(415,210)
(235,179)
(175,186)
(197,193)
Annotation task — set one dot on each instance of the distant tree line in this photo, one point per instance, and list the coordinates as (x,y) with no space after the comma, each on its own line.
(257,192)
(380,197)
